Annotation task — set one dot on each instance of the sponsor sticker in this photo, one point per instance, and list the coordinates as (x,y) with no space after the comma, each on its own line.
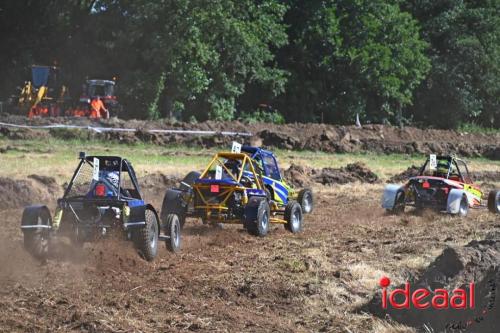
(218,172)
(433,162)
(95,172)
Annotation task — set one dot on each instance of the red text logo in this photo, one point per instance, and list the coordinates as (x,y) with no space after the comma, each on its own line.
(422,298)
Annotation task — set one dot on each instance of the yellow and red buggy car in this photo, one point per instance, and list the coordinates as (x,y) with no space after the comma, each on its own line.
(231,190)
(443,183)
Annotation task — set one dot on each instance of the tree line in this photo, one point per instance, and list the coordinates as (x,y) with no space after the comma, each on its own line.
(422,62)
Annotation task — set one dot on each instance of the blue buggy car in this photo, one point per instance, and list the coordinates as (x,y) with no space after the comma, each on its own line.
(103,197)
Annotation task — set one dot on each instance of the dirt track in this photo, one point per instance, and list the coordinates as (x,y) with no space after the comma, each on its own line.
(229,281)
(316,137)
(321,280)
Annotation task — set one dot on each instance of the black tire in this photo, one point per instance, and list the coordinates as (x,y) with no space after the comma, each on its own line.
(494,202)
(36,240)
(306,200)
(399,204)
(191,177)
(173,204)
(464,207)
(293,217)
(257,216)
(146,238)
(173,229)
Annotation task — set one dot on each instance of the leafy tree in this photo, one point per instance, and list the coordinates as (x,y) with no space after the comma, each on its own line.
(464,84)
(349,57)
(209,51)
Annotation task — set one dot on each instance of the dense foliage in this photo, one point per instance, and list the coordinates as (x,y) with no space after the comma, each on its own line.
(398,61)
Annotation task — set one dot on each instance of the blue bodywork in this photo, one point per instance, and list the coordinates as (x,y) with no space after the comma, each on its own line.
(270,171)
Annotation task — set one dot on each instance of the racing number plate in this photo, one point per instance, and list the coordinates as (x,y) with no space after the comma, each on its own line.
(95,170)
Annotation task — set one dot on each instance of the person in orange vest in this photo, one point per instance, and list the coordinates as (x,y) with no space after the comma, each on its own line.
(97,109)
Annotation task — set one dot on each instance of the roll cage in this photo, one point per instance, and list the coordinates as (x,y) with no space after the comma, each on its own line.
(227,180)
(456,167)
(110,164)
(234,176)
(265,160)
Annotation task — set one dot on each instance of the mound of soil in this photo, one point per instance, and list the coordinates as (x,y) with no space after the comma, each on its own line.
(455,268)
(35,189)
(302,176)
(403,176)
(154,186)
(315,137)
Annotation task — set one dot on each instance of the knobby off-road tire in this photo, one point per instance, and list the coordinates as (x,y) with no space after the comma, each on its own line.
(494,202)
(191,178)
(399,204)
(36,240)
(257,216)
(464,207)
(146,238)
(306,201)
(173,229)
(293,217)
(172,204)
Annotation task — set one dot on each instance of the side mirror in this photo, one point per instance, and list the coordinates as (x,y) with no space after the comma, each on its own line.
(82,155)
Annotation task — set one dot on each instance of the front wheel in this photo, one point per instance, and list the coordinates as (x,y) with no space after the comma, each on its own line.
(257,216)
(293,217)
(173,229)
(146,238)
(306,201)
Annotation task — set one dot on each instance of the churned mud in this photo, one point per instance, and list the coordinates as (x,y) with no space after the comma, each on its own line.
(316,137)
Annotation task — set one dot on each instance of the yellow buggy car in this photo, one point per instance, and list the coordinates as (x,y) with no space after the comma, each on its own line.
(231,190)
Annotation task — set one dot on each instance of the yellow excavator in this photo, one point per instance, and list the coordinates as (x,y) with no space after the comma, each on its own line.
(44,95)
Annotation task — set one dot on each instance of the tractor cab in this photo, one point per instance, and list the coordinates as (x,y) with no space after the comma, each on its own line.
(105,90)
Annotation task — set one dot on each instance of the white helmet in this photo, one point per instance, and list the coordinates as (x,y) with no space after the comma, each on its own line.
(113,178)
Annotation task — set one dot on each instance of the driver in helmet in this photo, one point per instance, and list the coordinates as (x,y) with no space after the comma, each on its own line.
(110,179)
(442,168)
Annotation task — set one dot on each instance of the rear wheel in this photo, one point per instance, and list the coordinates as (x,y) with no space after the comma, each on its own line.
(399,203)
(293,217)
(191,178)
(146,238)
(173,229)
(464,206)
(36,240)
(494,202)
(306,201)
(173,204)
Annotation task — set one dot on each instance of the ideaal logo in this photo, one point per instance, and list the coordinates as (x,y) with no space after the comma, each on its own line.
(442,299)
(423,298)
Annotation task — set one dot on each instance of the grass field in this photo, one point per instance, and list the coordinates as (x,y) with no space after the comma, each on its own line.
(57,158)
